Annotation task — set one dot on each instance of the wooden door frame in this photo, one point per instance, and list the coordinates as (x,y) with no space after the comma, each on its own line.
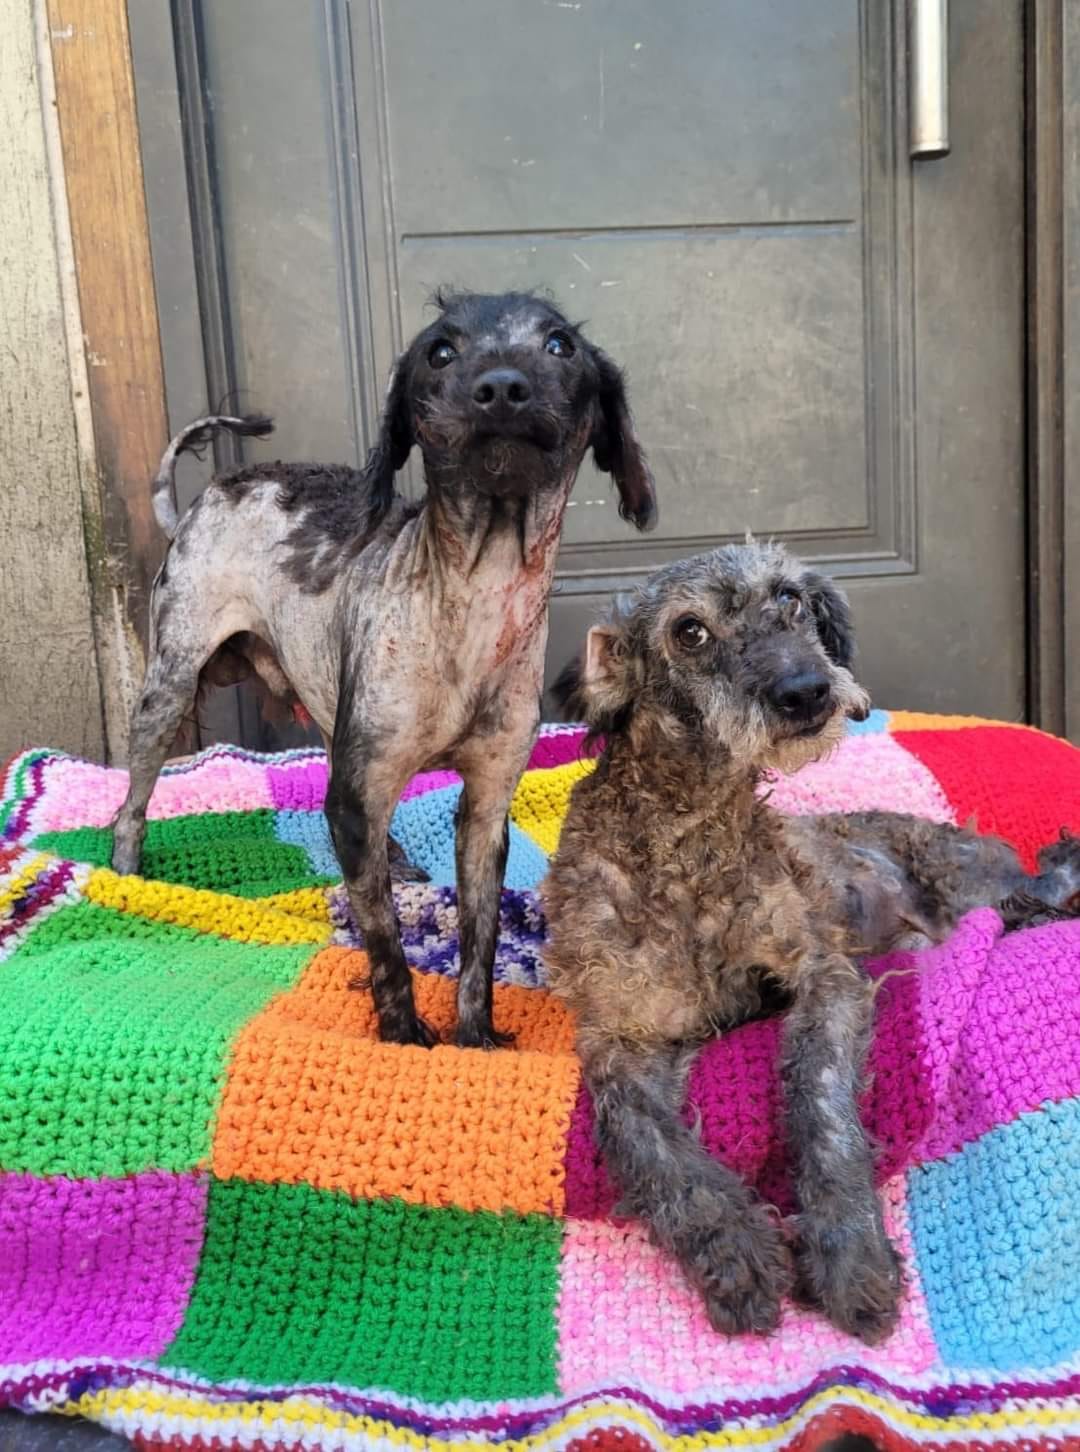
(120,247)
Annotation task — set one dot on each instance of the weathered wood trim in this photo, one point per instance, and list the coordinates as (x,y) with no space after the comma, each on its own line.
(106,207)
(48,651)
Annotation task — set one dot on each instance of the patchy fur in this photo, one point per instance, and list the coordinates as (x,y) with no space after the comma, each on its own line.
(413,635)
(680,903)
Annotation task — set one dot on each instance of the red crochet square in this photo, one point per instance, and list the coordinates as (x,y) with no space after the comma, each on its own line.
(1023,785)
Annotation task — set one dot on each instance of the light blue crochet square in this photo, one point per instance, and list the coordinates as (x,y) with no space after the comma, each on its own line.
(309,831)
(875,722)
(997,1234)
(424,826)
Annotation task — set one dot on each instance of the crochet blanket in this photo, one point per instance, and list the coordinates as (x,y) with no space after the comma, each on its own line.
(230,1217)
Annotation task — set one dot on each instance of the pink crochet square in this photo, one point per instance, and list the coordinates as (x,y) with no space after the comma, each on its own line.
(865,773)
(80,794)
(624,1305)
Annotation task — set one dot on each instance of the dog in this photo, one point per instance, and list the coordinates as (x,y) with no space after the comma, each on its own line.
(680,903)
(413,634)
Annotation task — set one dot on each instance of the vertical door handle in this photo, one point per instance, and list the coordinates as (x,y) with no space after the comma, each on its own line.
(928,50)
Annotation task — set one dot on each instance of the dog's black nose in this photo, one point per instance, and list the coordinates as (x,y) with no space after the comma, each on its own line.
(802,695)
(501,390)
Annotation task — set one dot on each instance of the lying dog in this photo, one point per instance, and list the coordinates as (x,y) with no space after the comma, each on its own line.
(680,902)
(413,634)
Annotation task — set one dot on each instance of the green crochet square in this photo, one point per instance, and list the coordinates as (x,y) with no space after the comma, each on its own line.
(310,1286)
(114,1039)
(234,852)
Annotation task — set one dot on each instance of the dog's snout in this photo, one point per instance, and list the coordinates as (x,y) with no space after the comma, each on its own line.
(800,695)
(501,390)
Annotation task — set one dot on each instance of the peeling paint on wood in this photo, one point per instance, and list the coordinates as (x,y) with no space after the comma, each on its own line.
(48,660)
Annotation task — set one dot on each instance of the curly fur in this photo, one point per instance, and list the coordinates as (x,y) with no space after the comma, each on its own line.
(680,903)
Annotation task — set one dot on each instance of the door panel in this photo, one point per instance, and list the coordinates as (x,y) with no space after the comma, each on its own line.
(824,342)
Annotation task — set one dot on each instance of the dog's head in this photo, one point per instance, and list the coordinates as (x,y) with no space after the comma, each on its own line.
(744,650)
(503,395)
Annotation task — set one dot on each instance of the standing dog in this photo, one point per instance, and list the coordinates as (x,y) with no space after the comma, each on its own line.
(680,902)
(413,634)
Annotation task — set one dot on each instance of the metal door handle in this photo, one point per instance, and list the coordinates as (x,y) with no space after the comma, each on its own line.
(929,67)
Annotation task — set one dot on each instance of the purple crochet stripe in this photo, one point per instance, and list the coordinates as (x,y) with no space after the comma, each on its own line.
(941,1401)
(96,1267)
(17,822)
(39,893)
(430,948)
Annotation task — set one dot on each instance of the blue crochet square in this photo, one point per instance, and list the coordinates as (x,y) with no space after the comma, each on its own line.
(997,1231)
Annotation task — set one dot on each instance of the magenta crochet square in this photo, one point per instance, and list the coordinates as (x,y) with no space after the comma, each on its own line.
(734,1096)
(557,750)
(299,787)
(96,1267)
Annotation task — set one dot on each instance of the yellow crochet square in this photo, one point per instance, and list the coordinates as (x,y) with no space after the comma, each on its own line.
(541,800)
(244,920)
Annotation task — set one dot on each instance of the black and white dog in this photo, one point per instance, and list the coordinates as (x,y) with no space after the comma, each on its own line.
(413,634)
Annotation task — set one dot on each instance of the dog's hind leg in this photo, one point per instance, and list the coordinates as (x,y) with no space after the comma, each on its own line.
(167,696)
(846,1264)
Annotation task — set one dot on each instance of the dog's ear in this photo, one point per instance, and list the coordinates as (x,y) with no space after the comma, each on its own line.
(832,615)
(395,440)
(616,448)
(607,679)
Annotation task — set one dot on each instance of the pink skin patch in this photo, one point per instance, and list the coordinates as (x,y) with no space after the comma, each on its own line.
(96,1267)
(623,1303)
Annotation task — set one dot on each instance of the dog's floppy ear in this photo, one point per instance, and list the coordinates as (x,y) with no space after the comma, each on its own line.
(395,440)
(616,448)
(832,615)
(606,680)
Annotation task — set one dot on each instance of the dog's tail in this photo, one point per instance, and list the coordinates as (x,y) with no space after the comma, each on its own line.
(192,439)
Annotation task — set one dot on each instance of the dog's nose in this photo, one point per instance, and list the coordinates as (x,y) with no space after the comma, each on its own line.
(501,389)
(802,695)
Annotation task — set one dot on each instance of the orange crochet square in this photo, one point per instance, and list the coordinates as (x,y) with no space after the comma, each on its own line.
(312,1095)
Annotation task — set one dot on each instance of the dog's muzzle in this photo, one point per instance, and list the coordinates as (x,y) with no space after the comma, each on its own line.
(802,699)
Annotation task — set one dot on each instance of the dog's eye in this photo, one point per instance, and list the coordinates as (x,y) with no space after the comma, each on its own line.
(690,633)
(441,354)
(559,346)
(791,601)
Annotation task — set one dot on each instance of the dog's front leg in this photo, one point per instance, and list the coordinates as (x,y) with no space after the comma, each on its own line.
(846,1264)
(490,774)
(728,1245)
(359,804)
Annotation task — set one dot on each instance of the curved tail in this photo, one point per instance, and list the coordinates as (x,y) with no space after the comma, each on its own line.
(192,439)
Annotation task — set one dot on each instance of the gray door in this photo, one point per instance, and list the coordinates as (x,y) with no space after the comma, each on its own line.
(824,339)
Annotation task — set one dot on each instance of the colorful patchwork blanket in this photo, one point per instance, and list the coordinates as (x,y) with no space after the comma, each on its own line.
(230,1217)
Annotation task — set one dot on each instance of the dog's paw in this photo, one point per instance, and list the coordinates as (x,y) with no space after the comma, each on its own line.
(400,1028)
(481,1036)
(852,1274)
(401,869)
(405,871)
(125,862)
(742,1269)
